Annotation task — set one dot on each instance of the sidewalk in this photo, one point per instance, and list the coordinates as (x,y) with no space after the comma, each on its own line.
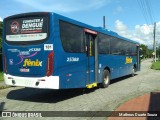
(3,85)
(147,103)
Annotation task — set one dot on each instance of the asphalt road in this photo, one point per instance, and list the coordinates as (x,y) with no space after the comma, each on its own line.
(98,99)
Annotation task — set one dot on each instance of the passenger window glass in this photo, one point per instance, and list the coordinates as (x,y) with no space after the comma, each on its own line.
(71,37)
(104,44)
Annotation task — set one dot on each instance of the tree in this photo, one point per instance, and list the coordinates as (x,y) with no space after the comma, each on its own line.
(158,51)
(147,53)
(0,37)
(0,46)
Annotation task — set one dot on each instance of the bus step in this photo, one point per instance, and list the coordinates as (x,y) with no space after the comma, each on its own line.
(91,85)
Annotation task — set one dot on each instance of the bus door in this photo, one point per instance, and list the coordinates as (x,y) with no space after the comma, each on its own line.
(92,58)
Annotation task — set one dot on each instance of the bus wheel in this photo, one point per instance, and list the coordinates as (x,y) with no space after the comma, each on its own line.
(133,72)
(106,79)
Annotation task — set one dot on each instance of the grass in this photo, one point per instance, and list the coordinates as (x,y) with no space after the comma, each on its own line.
(1,79)
(1,76)
(156,65)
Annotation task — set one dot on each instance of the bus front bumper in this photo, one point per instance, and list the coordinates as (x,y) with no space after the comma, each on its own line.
(51,82)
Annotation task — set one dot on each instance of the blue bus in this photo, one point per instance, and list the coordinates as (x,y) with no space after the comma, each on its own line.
(49,51)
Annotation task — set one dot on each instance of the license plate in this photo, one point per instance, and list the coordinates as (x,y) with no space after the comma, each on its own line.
(24,70)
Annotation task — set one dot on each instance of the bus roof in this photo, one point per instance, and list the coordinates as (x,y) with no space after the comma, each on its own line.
(97,29)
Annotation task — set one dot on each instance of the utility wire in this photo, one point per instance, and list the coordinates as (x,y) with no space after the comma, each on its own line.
(146,10)
(143,10)
(150,10)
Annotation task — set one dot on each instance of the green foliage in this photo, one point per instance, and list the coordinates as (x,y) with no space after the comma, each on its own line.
(0,44)
(147,53)
(0,37)
(156,65)
(0,29)
(158,52)
(1,76)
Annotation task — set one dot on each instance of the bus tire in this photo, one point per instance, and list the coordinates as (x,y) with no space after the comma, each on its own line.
(133,71)
(105,79)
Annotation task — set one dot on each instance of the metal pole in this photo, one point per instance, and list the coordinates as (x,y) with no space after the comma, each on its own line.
(154,43)
(104,22)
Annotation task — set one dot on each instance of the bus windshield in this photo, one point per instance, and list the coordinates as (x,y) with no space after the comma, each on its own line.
(26,29)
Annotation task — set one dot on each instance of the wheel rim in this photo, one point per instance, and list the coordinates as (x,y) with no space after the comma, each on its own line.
(133,71)
(106,79)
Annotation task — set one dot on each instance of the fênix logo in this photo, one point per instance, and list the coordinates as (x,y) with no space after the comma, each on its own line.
(29,62)
(128,60)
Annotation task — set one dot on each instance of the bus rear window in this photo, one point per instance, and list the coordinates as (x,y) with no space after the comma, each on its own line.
(26,29)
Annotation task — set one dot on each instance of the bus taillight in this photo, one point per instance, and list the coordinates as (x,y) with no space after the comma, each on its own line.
(49,69)
(5,64)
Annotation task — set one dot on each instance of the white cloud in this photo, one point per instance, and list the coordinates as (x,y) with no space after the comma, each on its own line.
(65,5)
(145,29)
(122,29)
(120,26)
(1,19)
(141,33)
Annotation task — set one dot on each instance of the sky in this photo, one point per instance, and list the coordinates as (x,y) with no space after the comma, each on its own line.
(129,18)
